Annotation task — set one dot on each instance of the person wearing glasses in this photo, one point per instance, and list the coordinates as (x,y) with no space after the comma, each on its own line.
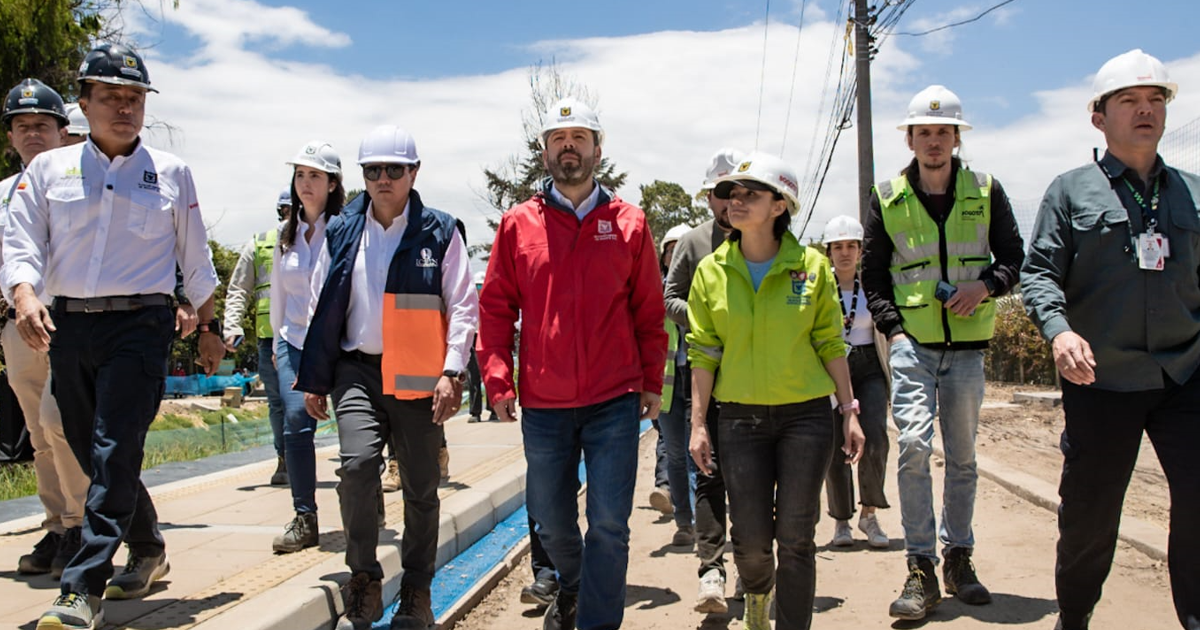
(393,317)
(317,193)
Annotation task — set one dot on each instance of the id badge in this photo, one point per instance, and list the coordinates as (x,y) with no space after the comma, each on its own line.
(1150,251)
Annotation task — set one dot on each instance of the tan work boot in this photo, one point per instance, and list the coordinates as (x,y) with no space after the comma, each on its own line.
(391,477)
(444,462)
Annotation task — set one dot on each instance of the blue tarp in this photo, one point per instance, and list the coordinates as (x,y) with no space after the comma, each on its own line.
(201,385)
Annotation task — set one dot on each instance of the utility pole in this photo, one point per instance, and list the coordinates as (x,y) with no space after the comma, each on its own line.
(866,152)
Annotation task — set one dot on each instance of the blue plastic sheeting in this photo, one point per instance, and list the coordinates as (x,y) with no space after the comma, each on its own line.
(201,385)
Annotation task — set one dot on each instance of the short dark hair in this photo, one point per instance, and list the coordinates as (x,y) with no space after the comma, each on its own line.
(85,89)
(1102,105)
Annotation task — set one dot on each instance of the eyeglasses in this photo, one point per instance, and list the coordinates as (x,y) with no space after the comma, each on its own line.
(394,171)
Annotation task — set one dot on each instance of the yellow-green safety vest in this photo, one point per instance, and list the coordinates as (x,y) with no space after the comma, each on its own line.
(264,248)
(925,253)
(668,390)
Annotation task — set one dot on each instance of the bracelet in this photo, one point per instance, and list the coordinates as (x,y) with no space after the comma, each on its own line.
(850,406)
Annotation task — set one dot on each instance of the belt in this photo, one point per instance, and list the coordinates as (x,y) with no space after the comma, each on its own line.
(119,303)
(362,357)
(866,347)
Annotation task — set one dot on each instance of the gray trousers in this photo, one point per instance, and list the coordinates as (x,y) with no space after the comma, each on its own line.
(366,418)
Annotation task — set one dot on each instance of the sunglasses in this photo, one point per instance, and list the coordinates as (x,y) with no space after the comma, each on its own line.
(394,171)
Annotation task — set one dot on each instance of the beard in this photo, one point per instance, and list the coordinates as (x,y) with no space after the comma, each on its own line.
(722,219)
(574,174)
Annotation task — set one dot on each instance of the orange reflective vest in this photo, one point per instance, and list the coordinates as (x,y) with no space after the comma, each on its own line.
(414,344)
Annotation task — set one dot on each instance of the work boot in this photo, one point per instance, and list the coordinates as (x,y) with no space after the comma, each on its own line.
(842,536)
(869,525)
(561,613)
(391,477)
(41,559)
(921,594)
(415,610)
(67,548)
(685,536)
(758,612)
(444,462)
(961,582)
(541,592)
(660,499)
(474,419)
(74,611)
(711,598)
(280,476)
(299,534)
(141,572)
(363,599)
(1064,625)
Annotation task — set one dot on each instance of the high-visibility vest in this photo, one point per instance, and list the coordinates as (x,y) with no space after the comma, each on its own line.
(668,392)
(925,253)
(264,247)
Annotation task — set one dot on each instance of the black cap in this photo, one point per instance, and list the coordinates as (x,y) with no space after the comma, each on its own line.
(116,64)
(722,190)
(34,97)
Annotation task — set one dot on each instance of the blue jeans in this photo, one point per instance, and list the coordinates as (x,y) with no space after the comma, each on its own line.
(607,436)
(923,378)
(675,429)
(298,431)
(270,380)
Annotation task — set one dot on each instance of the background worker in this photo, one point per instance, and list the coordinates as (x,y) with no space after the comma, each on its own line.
(77,129)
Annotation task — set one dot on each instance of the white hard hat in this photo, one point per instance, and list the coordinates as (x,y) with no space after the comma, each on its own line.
(388,144)
(1132,69)
(842,228)
(935,105)
(319,155)
(285,198)
(79,123)
(570,112)
(723,162)
(479,276)
(674,234)
(768,170)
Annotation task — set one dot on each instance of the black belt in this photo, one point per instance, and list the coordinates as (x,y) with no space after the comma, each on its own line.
(118,303)
(375,360)
(866,347)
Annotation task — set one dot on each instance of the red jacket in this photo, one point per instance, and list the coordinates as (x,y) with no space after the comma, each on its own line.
(590,298)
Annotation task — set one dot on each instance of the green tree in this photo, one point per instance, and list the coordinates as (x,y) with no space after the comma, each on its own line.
(666,205)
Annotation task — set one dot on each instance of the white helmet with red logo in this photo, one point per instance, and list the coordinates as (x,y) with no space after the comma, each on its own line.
(1132,69)
(767,170)
(842,228)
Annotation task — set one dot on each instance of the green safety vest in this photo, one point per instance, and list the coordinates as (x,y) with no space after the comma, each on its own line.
(668,390)
(923,254)
(264,248)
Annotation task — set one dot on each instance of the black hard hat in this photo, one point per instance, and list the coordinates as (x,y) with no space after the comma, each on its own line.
(116,64)
(34,97)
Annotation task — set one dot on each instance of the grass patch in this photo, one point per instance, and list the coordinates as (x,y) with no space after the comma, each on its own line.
(17,480)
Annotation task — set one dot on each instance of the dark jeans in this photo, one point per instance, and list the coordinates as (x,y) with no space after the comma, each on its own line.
(299,429)
(270,380)
(775,462)
(475,395)
(870,387)
(366,418)
(109,374)
(710,503)
(539,560)
(606,434)
(674,431)
(1100,447)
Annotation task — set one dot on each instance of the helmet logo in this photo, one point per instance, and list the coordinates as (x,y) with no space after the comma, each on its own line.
(743,167)
(130,62)
(564,111)
(27,92)
(310,149)
(791,185)
(935,105)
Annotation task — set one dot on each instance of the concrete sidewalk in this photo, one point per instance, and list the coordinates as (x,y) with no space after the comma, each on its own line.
(219,528)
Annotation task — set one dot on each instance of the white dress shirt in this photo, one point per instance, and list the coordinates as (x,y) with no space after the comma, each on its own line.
(862,332)
(8,188)
(586,206)
(364,316)
(291,282)
(88,226)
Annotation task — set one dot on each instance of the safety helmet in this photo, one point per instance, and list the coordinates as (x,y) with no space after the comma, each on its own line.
(723,162)
(319,155)
(388,144)
(78,122)
(674,234)
(935,105)
(478,277)
(116,64)
(34,97)
(767,170)
(842,228)
(1132,69)
(285,198)
(570,112)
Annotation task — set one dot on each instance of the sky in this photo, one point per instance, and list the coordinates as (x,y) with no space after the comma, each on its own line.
(246,83)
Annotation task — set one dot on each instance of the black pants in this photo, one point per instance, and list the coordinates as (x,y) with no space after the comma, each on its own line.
(1100,447)
(870,387)
(710,503)
(475,394)
(109,374)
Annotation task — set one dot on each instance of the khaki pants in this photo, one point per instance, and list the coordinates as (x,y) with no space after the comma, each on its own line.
(61,484)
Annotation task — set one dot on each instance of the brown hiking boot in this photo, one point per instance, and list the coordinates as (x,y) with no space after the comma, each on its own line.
(415,610)
(921,594)
(363,598)
(299,534)
(444,462)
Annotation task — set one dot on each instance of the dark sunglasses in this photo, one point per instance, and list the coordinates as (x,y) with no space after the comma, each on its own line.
(394,171)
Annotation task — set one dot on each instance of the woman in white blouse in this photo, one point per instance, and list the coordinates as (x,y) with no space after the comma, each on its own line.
(318,195)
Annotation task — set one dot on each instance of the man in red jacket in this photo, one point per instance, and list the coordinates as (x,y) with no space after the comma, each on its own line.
(578,264)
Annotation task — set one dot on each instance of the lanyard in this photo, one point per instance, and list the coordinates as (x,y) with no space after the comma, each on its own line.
(848,317)
(1149,211)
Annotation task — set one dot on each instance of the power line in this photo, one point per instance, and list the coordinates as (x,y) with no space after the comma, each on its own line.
(792,90)
(762,81)
(946,26)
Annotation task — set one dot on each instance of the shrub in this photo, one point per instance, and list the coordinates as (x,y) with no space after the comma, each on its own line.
(1018,353)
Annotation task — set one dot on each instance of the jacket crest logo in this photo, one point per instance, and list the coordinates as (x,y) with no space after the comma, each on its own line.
(604,227)
(426,259)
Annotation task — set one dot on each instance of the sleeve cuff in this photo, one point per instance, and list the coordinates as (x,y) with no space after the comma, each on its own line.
(1055,326)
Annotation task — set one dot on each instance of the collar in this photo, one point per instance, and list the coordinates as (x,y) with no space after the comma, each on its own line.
(588,203)
(400,223)
(103,158)
(913,173)
(1114,168)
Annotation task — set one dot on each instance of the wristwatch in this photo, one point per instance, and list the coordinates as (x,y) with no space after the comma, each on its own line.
(991,286)
(459,375)
(213,327)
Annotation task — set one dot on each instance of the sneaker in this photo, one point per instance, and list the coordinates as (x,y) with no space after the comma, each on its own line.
(920,595)
(961,582)
(141,572)
(711,598)
(444,462)
(298,534)
(561,613)
(541,592)
(869,525)
(391,477)
(280,476)
(363,599)
(42,557)
(474,419)
(685,536)
(842,537)
(67,548)
(74,611)
(660,499)
(758,612)
(415,610)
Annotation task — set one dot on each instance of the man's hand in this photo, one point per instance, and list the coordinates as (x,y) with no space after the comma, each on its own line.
(853,439)
(315,406)
(1074,359)
(185,320)
(967,297)
(506,409)
(212,350)
(229,347)
(651,404)
(700,446)
(33,320)
(447,399)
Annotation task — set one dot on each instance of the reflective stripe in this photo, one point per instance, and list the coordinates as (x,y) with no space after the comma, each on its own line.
(419,302)
(928,250)
(263,294)
(416,383)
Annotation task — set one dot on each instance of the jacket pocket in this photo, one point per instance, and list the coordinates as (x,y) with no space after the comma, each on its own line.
(151,215)
(66,205)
